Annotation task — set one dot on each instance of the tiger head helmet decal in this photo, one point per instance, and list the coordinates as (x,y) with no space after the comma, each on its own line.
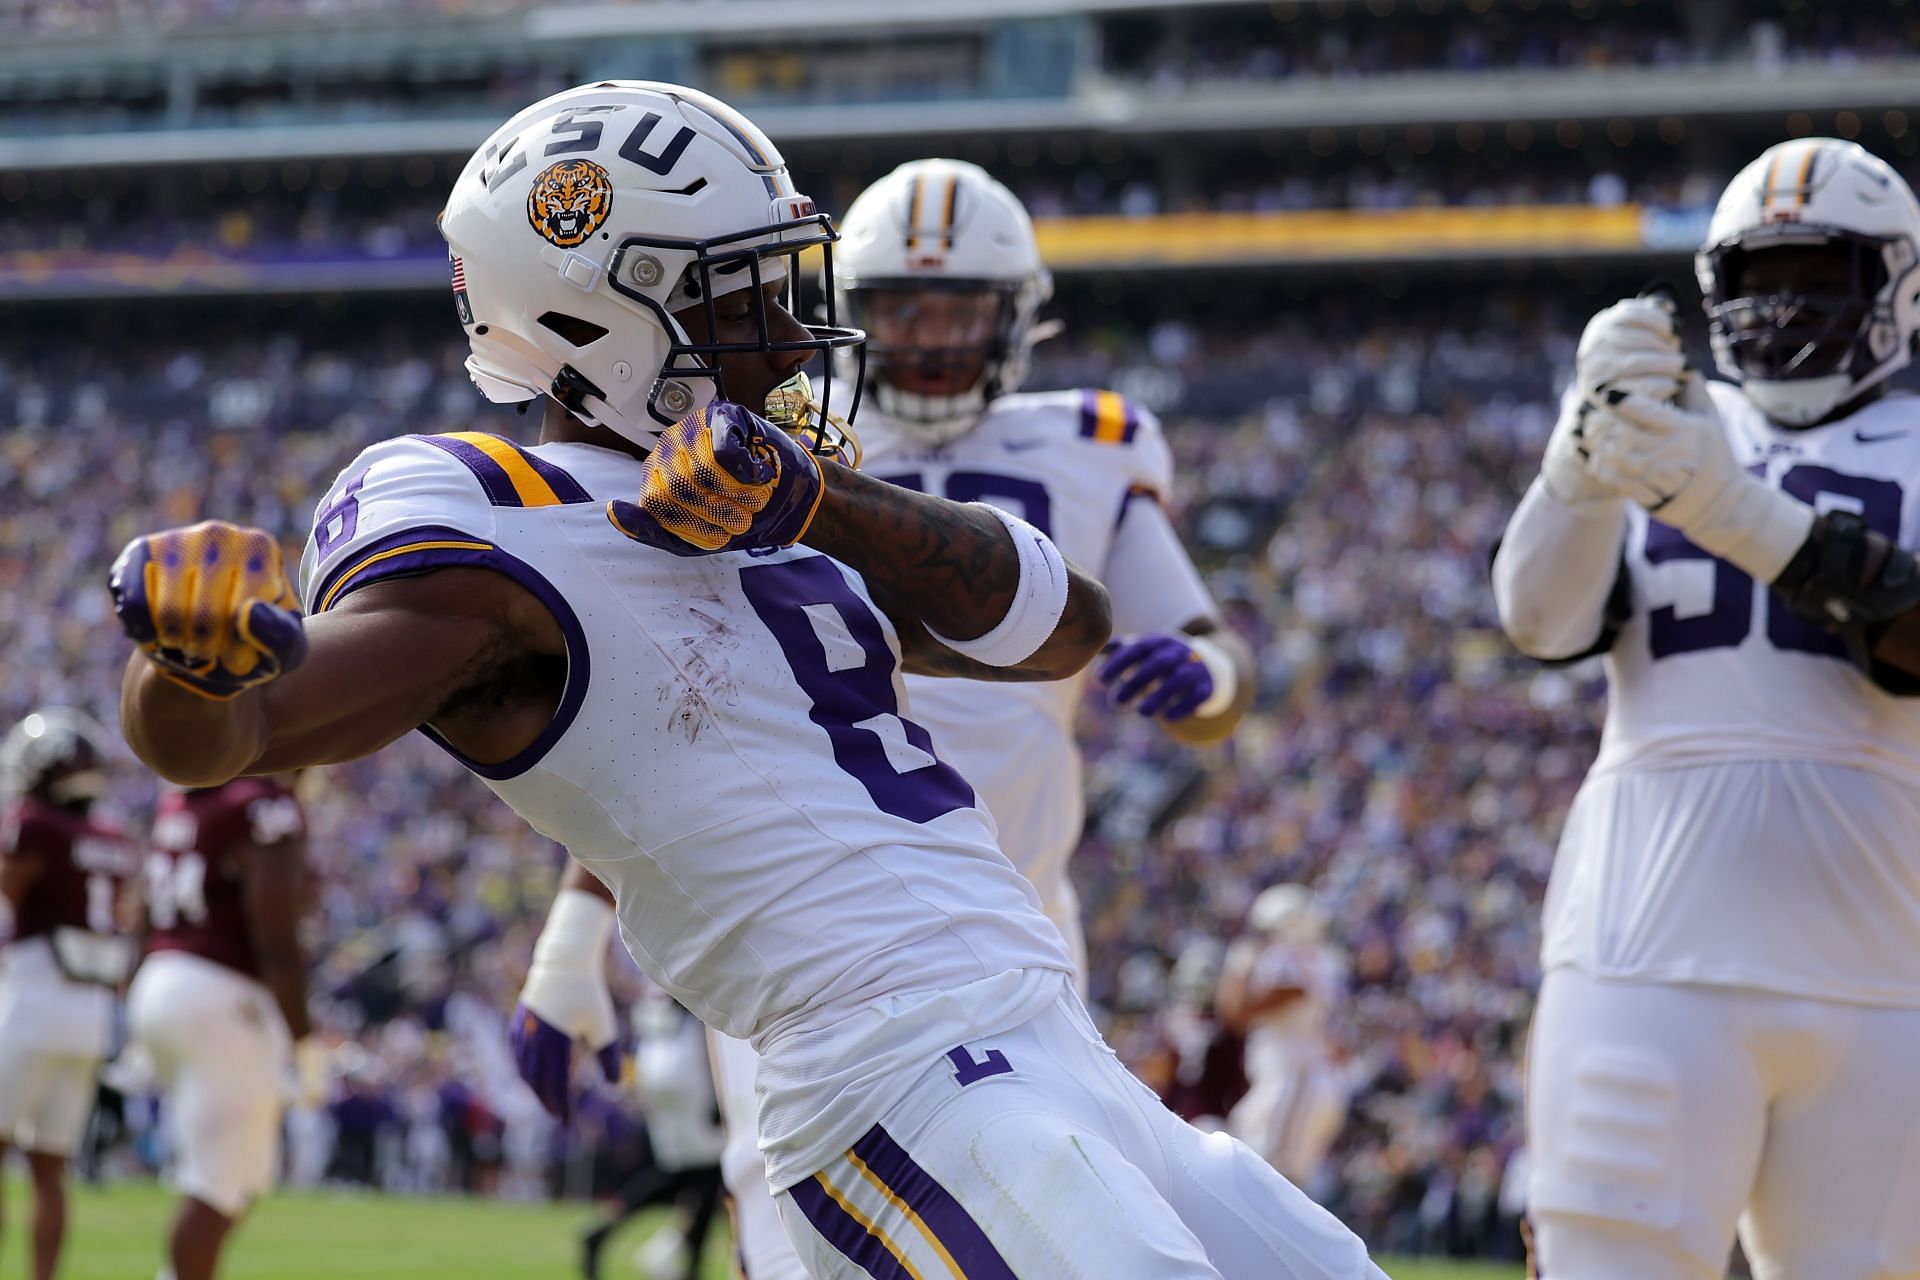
(569,201)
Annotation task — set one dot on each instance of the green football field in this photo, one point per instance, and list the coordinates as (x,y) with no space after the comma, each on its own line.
(116,1234)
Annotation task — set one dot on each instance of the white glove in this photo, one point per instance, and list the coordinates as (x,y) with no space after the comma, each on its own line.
(1675,461)
(1631,346)
(566,983)
(310,1080)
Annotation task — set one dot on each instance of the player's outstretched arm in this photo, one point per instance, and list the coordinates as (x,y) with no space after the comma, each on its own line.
(971,590)
(229,680)
(952,575)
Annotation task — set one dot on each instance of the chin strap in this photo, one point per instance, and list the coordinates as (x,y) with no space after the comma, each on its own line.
(570,389)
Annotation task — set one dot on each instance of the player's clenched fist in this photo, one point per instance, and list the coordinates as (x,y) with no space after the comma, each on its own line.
(1631,347)
(722,479)
(210,605)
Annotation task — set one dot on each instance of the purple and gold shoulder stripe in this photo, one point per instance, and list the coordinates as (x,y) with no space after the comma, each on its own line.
(1106,417)
(408,552)
(884,1213)
(509,475)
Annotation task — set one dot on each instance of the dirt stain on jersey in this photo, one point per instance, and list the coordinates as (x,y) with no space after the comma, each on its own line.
(706,676)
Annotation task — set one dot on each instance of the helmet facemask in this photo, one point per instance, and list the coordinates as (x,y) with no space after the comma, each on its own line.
(746,261)
(1803,315)
(940,350)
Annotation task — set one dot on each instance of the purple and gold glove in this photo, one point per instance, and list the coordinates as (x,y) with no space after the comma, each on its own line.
(543,1054)
(1165,664)
(210,606)
(722,479)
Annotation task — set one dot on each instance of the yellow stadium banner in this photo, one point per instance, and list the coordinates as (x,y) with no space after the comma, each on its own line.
(1225,238)
(1341,235)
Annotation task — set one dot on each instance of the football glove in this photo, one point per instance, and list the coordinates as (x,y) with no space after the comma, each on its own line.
(565,999)
(722,479)
(210,606)
(1675,460)
(1175,679)
(543,1054)
(1631,346)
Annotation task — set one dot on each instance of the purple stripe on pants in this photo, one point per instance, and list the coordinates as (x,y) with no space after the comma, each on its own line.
(839,1229)
(950,1224)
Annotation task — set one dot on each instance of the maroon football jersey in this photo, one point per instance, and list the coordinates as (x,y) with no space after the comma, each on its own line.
(195,872)
(82,866)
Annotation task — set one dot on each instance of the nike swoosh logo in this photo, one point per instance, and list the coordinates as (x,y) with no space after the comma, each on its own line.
(1864,438)
(1021,446)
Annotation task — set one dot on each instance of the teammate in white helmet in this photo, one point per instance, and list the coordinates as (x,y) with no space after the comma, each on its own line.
(1731,1007)
(939,264)
(671,636)
(1277,988)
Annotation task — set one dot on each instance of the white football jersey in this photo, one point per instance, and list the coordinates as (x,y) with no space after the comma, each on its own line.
(1750,819)
(1294,1035)
(1072,463)
(789,858)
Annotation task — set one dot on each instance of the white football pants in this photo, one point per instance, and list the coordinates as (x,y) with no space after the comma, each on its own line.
(1660,1115)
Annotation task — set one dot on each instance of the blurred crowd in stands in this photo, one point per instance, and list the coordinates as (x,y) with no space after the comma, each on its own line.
(384,208)
(1342,475)
(1343,40)
(1181,47)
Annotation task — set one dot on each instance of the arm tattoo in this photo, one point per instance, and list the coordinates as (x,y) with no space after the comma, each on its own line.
(932,564)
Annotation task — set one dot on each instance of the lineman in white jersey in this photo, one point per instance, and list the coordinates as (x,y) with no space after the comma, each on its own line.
(938,263)
(671,637)
(1731,1010)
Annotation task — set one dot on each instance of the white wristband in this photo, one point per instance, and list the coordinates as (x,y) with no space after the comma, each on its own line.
(1754,527)
(1219,665)
(1038,600)
(574,939)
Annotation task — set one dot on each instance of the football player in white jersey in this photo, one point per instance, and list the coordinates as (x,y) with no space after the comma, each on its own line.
(1277,987)
(671,636)
(939,264)
(1730,1015)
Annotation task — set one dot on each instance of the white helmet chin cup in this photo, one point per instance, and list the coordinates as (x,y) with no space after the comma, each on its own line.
(1814,191)
(935,224)
(587,220)
(1801,403)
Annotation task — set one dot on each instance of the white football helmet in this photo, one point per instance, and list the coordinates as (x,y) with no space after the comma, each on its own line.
(941,226)
(1288,913)
(1800,355)
(46,741)
(587,220)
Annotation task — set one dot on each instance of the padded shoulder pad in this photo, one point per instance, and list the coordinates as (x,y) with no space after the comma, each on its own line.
(1109,418)
(398,501)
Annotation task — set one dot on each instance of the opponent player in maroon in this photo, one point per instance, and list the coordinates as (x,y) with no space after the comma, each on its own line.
(220,1002)
(61,874)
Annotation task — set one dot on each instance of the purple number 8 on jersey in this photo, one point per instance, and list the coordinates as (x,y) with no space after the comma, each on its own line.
(854,702)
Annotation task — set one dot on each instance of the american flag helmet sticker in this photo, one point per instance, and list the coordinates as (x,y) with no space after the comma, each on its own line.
(461,306)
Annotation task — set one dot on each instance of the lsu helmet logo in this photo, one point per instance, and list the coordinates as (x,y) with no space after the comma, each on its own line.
(569,201)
